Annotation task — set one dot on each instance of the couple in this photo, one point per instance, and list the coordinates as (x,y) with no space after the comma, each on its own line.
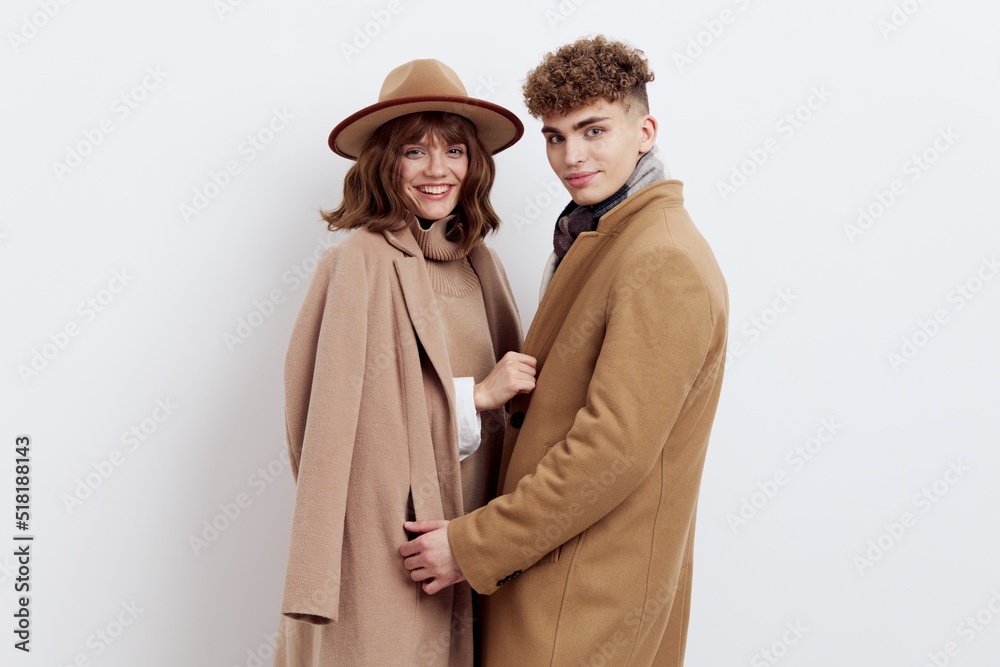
(459,500)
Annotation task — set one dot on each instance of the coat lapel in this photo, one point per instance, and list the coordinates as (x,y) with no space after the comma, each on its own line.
(560,296)
(578,264)
(422,308)
(439,389)
(566,283)
(421,303)
(501,312)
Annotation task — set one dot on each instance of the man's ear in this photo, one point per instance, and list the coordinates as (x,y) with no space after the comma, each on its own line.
(648,128)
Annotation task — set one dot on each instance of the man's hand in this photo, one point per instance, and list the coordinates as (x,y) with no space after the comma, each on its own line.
(429,558)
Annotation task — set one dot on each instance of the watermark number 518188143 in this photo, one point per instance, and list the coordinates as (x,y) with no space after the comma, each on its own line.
(22,541)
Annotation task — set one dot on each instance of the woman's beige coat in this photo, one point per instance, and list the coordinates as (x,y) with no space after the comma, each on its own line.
(587,555)
(373,442)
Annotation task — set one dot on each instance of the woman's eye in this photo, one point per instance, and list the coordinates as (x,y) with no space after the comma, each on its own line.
(456,151)
(412,152)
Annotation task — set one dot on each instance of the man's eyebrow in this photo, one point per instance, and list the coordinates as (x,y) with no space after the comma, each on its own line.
(548,129)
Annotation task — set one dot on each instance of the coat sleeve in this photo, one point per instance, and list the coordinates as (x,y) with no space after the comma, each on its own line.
(324,371)
(660,325)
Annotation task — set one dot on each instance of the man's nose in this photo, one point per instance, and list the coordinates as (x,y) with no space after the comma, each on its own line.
(575,152)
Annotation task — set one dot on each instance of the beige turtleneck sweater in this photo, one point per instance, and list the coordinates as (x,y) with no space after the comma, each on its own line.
(459,298)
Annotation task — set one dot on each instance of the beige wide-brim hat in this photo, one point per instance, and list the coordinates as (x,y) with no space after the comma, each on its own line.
(426,85)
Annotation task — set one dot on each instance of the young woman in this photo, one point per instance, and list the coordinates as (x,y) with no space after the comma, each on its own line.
(401,360)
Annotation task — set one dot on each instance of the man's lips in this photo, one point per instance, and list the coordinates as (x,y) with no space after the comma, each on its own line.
(580,178)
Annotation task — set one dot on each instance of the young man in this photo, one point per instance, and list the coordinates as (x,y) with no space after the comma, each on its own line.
(586,555)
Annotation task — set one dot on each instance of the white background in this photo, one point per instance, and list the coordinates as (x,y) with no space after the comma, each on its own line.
(107,544)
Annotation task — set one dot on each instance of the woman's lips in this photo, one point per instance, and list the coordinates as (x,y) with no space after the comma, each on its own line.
(434,191)
(579,179)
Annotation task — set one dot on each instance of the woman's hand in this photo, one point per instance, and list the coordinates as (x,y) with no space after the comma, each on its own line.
(514,374)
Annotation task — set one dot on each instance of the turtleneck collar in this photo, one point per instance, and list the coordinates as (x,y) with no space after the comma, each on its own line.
(433,241)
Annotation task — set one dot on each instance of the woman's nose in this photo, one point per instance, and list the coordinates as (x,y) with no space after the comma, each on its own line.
(435,163)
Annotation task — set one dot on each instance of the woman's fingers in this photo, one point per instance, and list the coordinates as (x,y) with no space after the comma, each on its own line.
(513,374)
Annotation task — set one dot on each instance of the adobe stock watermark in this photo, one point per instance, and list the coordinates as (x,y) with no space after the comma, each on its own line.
(900,15)
(41,357)
(365,34)
(923,501)
(485,87)
(224,8)
(712,30)
(779,648)
(550,192)
(264,652)
(131,440)
(105,636)
(435,650)
(563,11)
(914,168)
(7,569)
(230,512)
(247,151)
(795,459)
(967,630)
(754,328)
(560,524)
(121,107)
(786,126)
(35,22)
(957,298)
(614,648)
(264,308)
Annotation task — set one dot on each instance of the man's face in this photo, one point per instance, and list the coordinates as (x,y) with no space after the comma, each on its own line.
(593,149)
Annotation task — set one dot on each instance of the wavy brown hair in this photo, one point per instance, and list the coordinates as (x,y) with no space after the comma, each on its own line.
(373,196)
(589,69)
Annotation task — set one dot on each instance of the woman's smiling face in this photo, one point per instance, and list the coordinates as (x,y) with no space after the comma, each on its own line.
(431,175)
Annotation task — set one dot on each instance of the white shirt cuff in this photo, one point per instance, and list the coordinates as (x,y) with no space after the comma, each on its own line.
(469,422)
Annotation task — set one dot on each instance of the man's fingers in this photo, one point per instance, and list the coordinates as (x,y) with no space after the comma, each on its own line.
(424,526)
(409,548)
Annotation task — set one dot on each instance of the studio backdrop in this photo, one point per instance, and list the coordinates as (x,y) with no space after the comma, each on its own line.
(163,169)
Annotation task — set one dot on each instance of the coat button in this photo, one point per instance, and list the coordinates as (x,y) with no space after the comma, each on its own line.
(517,419)
(508,578)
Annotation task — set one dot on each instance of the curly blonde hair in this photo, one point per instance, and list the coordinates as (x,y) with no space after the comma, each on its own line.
(590,68)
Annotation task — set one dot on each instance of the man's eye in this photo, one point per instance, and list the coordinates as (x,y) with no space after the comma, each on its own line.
(594,131)
(554,139)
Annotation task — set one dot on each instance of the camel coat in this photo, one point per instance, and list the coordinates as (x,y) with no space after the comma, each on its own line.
(373,442)
(587,554)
